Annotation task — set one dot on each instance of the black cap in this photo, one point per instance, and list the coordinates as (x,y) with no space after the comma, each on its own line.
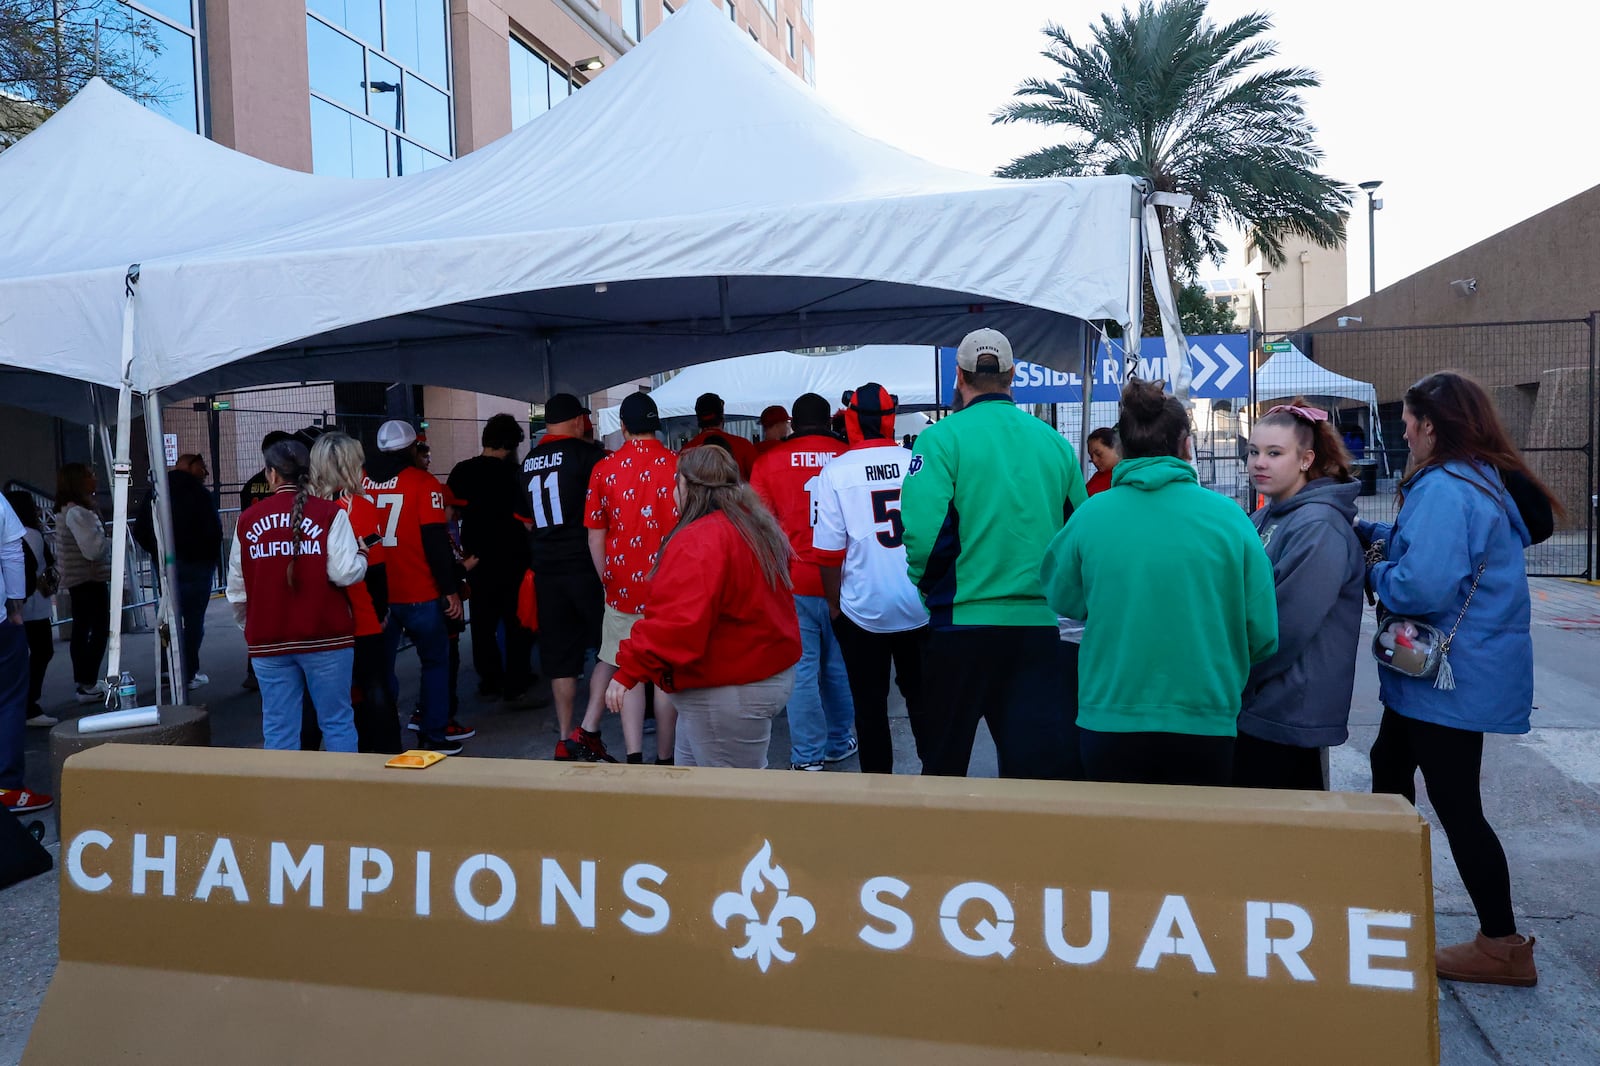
(708,409)
(811,411)
(563,407)
(872,400)
(639,413)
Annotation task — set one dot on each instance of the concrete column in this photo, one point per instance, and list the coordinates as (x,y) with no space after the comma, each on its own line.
(259,79)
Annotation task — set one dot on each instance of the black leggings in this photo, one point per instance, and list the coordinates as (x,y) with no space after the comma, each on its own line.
(1156,758)
(1261,763)
(1450,761)
(91,629)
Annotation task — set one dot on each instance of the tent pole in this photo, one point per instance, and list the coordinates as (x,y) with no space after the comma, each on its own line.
(722,303)
(1135,331)
(121,474)
(548,343)
(165,562)
(1087,397)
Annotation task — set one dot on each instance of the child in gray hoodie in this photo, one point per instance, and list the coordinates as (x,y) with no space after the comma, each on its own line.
(1297,702)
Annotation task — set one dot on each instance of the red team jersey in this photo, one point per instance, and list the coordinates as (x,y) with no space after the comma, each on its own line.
(630,497)
(365,522)
(786,479)
(406,502)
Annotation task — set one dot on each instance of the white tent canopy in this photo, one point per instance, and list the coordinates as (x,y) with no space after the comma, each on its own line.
(748,384)
(1289,374)
(765,222)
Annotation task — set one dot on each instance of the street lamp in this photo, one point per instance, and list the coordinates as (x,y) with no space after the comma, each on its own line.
(1264,275)
(399,102)
(1374,205)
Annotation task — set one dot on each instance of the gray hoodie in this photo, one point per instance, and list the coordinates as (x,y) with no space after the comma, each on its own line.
(1301,695)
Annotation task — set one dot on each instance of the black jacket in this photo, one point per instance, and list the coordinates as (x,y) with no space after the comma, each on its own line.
(197,529)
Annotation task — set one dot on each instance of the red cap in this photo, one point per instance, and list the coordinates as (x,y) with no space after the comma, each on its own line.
(773,415)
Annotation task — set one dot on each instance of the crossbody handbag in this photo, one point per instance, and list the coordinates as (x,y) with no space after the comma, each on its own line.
(1416,649)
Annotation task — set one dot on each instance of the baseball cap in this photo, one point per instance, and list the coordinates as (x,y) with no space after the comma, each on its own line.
(396,436)
(563,407)
(708,408)
(639,413)
(773,415)
(984,351)
(811,410)
(873,399)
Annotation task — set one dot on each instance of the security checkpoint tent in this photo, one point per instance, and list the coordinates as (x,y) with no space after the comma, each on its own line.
(748,384)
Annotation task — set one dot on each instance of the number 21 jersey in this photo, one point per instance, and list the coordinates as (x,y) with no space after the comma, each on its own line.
(556,475)
(858,520)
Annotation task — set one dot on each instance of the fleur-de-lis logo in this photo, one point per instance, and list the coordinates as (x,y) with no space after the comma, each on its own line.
(764,937)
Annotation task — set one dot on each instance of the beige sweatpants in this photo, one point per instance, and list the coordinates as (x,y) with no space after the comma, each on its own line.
(730,725)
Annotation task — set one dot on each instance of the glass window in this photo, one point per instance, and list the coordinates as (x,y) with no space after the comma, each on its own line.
(155,62)
(630,18)
(414,35)
(427,113)
(384,82)
(363,18)
(666,11)
(808,64)
(410,158)
(180,12)
(733,13)
(806,12)
(560,87)
(344,145)
(530,84)
(772,8)
(790,27)
(336,62)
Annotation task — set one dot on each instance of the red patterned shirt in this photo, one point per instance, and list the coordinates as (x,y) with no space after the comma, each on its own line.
(630,497)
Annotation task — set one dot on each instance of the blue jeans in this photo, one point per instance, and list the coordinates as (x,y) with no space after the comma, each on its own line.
(285,679)
(13,700)
(821,713)
(194,595)
(424,623)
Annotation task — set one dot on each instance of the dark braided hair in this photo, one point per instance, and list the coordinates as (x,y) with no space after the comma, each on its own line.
(292,463)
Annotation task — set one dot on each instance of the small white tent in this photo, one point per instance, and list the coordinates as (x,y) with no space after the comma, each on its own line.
(748,384)
(1289,374)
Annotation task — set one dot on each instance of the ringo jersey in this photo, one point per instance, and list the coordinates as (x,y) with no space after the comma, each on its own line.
(859,526)
(630,497)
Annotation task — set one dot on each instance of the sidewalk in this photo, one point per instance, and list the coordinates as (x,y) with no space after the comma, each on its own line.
(1541,791)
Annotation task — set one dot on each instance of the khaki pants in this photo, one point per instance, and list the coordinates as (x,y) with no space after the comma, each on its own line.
(730,725)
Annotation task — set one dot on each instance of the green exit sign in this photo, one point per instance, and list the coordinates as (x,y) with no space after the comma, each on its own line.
(1278,346)
(222,405)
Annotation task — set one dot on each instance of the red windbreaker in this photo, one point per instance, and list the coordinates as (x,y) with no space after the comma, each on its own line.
(711,619)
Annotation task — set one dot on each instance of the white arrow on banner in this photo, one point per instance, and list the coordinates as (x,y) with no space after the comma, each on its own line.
(1234,366)
(1208,367)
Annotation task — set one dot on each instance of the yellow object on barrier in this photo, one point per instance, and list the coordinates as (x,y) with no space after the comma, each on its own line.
(271,907)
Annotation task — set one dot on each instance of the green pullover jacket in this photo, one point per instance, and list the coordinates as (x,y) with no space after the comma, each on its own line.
(1177,600)
(986,490)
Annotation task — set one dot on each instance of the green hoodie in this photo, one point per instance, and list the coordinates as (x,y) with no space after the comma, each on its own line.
(986,490)
(1177,600)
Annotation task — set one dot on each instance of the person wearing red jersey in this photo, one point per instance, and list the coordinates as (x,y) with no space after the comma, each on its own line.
(421,572)
(877,613)
(821,714)
(775,428)
(336,462)
(1105,454)
(709,412)
(719,630)
(630,511)
(293,556)
(570,597)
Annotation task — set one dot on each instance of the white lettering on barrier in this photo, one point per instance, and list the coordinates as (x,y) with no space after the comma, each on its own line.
(993,937)
(222,871)
(1260,945)
(360,884)
(89,838)
(1055,934)
(424,868)
(166,863)
(900,924)
(468,902)
(660,913)
(553,880)
(1364,947)
(1175,917)
(283,867)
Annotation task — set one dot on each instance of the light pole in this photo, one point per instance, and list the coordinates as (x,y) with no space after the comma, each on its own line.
(399,101)
(1374,205)
(1264,275)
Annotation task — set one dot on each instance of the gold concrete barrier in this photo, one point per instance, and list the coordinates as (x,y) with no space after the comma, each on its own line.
(223,906)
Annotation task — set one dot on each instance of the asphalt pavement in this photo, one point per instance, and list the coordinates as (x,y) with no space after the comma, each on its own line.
(1541,792)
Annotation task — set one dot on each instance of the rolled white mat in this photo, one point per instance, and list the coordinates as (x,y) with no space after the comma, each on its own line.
(131,719)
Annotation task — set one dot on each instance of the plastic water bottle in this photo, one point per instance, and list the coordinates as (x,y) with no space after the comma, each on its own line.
(127,692)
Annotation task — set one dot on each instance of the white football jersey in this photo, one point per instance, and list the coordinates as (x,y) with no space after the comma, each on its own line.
(858,512)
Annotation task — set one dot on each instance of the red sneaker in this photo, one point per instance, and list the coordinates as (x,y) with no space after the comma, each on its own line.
(457,731)
(21,801)
(587,747)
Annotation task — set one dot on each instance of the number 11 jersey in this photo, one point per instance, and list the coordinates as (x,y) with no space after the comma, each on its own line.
(556,475)
(858,523)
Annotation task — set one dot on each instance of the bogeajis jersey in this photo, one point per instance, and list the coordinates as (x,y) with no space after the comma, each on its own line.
(406,502)
(858,522)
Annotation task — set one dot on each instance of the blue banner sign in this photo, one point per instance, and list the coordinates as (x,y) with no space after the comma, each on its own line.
(1218,365)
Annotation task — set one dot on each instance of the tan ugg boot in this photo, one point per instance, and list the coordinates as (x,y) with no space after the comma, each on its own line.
(1505,960)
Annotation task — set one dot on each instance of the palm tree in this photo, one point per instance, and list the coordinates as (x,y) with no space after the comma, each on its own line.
(1165,94)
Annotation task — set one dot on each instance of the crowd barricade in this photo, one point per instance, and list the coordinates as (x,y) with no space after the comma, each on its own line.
(269,907)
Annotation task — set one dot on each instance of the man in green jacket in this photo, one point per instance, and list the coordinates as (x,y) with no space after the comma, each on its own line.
(987,489)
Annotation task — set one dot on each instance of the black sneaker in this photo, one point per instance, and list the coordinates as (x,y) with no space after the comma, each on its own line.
(443,747)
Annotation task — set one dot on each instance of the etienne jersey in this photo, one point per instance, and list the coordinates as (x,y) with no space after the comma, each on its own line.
(858,513)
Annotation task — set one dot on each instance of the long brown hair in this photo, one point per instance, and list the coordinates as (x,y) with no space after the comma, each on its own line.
(1150,422)
(1466,427)
(1330,459)
(711,483)
(72,486)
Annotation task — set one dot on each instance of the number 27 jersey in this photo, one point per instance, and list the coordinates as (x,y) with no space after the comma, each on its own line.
(858,518)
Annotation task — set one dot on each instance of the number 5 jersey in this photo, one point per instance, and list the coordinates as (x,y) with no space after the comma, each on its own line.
(859,527)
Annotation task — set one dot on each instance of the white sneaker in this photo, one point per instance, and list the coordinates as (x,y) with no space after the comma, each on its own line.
(43,721)
(197,680)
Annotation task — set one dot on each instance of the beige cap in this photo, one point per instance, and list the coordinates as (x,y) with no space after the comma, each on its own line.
(982,342)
